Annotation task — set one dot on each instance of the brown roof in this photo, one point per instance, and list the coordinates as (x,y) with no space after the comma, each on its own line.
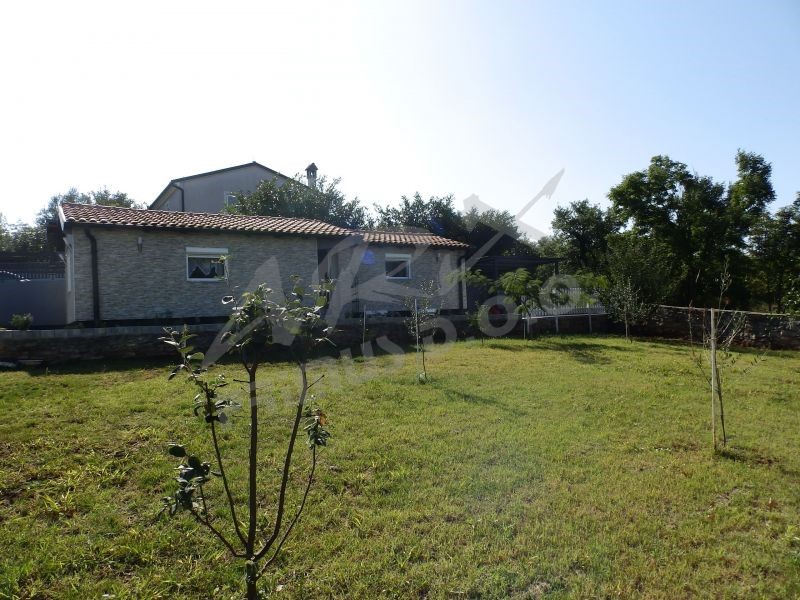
(93,214)
(400,238)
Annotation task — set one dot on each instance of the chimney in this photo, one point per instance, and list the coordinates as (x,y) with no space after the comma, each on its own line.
(311,174)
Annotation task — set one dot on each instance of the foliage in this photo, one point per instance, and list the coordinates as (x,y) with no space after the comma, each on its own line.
(483,227)
(624,303)
(292,198)
(257,325)
(523,289)
(701,222)
(584,229)
(440,216)
(437,215)
(102,197)
(775,250)
(647,263)
(477,319)
(31,238)
(22,322)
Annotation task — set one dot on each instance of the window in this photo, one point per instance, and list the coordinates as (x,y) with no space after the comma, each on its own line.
(398,266)
(206,264)
(230,198)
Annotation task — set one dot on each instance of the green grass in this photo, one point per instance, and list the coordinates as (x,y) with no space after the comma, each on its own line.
(563,467)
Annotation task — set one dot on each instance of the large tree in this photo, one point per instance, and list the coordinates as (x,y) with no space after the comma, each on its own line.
(103,197)
(775,252)
(437,215)
(584,229)
(25,238)
(704,223)
(291,198)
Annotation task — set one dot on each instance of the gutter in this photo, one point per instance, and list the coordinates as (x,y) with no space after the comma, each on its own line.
(95,278)
(462,284)
(183,198)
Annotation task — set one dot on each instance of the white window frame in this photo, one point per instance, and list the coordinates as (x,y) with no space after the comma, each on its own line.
(397,257)
(229,198)
(202,252)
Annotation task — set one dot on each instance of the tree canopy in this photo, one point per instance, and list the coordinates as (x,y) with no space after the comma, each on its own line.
(291,198)
(705,224)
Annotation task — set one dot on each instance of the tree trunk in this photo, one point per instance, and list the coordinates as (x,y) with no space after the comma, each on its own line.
(252,590)
(721,410)
(253,456)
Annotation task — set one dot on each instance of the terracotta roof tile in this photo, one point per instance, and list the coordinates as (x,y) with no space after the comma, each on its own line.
(401,238)
(92,214)
(163,219)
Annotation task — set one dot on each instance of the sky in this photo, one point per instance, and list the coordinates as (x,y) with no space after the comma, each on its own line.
(462,98)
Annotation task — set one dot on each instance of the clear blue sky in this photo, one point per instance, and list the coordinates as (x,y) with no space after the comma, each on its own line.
(448,97)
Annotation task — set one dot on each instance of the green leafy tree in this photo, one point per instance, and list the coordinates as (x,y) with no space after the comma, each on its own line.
(704,224)
(481,227)
(775,252)
(258,324)
(523,289)
(437,215)
(6,236)
(291,198)
(102,197)
(624,304)
(584,229)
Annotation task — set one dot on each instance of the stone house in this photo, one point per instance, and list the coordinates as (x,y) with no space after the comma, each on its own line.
(133,266)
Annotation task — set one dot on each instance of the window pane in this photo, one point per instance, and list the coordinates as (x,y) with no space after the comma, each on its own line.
(205,267)
(396,268)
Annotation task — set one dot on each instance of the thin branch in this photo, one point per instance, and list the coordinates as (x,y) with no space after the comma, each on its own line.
(286,465)
(297,515)
(225,483)
(221,537)
(317,380)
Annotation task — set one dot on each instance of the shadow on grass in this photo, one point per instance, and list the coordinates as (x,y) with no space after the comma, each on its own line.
(590,353)
(468,397)
(749,456)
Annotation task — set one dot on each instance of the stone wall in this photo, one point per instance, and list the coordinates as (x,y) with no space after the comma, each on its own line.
(760,330)
(57,346)
(152,283)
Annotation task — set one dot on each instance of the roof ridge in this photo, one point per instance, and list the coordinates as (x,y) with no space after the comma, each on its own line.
(204,214)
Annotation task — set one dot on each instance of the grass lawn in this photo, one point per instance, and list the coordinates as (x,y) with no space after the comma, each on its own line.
(563,467)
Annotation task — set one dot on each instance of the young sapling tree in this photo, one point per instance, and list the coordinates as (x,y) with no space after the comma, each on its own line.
(257,325)
(424,311)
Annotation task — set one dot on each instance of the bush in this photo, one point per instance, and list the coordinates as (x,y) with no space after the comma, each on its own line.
(21,322)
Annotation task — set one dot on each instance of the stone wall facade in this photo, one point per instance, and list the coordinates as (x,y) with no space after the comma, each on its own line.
(142,273)
(153,284)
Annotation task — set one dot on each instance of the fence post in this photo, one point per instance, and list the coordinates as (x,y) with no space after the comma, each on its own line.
(713,357)
(590,320)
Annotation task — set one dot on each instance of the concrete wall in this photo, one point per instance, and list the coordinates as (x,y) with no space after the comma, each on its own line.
(152,284)
(43,298)
(207,193)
